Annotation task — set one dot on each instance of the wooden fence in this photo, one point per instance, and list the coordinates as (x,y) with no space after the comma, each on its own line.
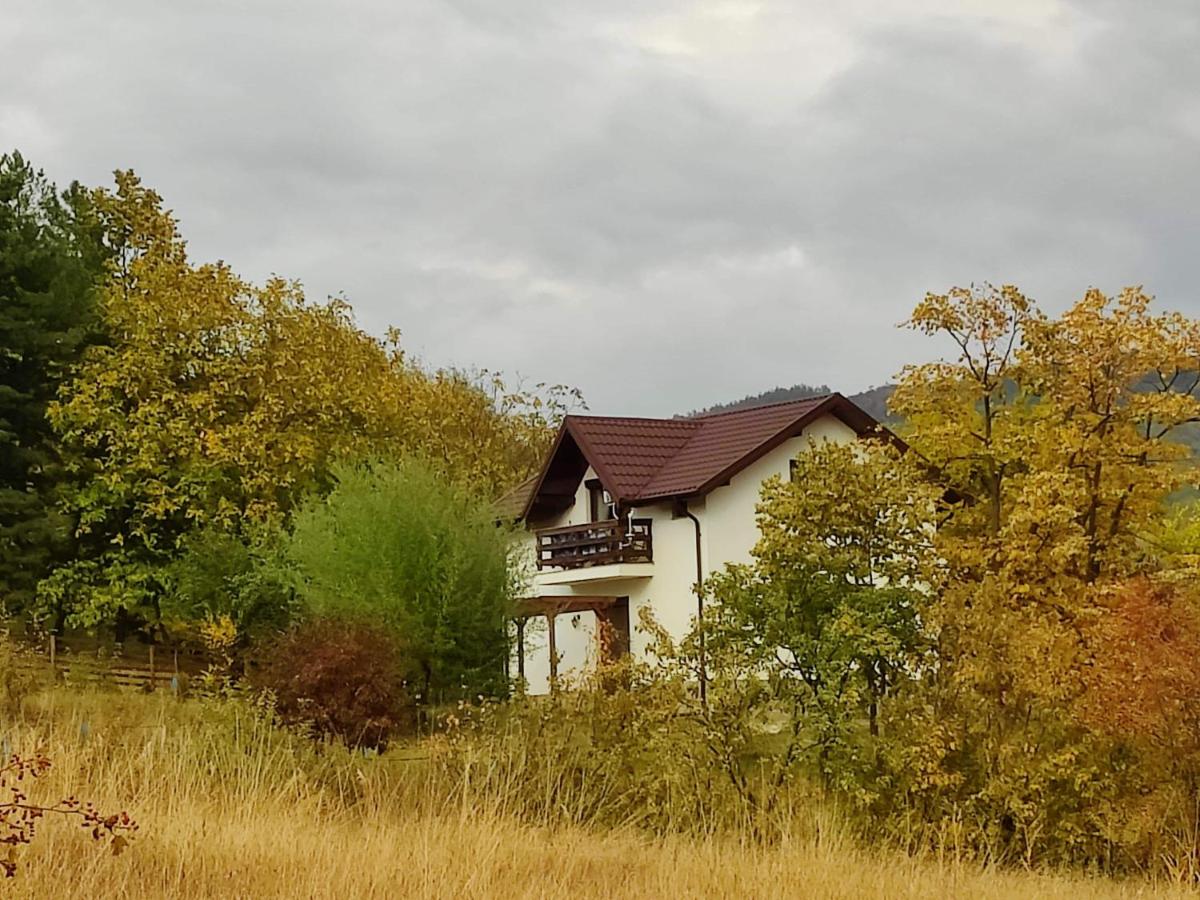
(139,666)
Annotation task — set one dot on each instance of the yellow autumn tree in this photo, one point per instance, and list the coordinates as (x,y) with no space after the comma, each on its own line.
(219,403)
(1056,435)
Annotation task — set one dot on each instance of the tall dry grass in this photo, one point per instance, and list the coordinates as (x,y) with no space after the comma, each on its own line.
(232,807)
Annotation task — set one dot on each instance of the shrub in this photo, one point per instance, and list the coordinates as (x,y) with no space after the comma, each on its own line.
(633,743)
(341,679)
(619,747)
(1106,776)
(396,544)
(1143,680)
(226,581)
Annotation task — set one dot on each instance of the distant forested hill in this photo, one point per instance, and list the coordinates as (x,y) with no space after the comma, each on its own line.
(873,400)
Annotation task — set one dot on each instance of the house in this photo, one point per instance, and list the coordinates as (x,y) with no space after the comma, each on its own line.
(631,513)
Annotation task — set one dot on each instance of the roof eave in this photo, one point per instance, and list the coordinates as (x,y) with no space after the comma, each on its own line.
(537,488)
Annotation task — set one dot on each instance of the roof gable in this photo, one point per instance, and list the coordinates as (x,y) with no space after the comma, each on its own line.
(627,453)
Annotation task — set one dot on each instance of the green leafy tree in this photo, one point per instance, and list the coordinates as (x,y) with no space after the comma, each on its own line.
(50,261)
(396,543)
(831,604)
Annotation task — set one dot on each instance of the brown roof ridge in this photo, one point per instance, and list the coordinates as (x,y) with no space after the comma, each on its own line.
(697,419)
(815,398)
(655,419)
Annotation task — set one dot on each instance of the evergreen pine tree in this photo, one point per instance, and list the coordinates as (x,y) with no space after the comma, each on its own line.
(50,260)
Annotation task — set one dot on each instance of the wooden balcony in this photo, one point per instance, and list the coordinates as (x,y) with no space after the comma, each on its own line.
(594,544)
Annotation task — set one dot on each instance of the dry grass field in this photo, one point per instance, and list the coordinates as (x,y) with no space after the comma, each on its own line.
(231,809)
(252,850)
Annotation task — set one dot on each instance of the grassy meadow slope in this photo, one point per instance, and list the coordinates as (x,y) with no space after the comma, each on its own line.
(231,807)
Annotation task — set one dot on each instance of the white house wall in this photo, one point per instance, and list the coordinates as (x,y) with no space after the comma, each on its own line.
(577,642)
(729,532)
(668,593)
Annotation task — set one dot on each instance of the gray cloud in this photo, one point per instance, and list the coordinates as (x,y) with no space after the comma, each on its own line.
(666,203)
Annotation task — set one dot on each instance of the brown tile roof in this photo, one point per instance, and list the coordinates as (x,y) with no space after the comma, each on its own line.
(721,441)
(650,459)
(513,504)
(627,453)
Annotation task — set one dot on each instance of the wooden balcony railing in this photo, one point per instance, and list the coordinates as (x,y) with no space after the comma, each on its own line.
(594,544)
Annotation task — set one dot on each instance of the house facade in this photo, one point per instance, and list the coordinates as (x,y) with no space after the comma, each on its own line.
(630,513)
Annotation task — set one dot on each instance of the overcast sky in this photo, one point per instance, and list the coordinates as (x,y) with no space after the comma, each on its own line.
(665,204)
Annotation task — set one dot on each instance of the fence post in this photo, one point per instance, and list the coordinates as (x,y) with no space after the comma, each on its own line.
(53,670)
(152,685)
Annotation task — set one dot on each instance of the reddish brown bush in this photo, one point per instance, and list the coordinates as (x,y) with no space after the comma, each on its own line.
(1143,678)
(341,679)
